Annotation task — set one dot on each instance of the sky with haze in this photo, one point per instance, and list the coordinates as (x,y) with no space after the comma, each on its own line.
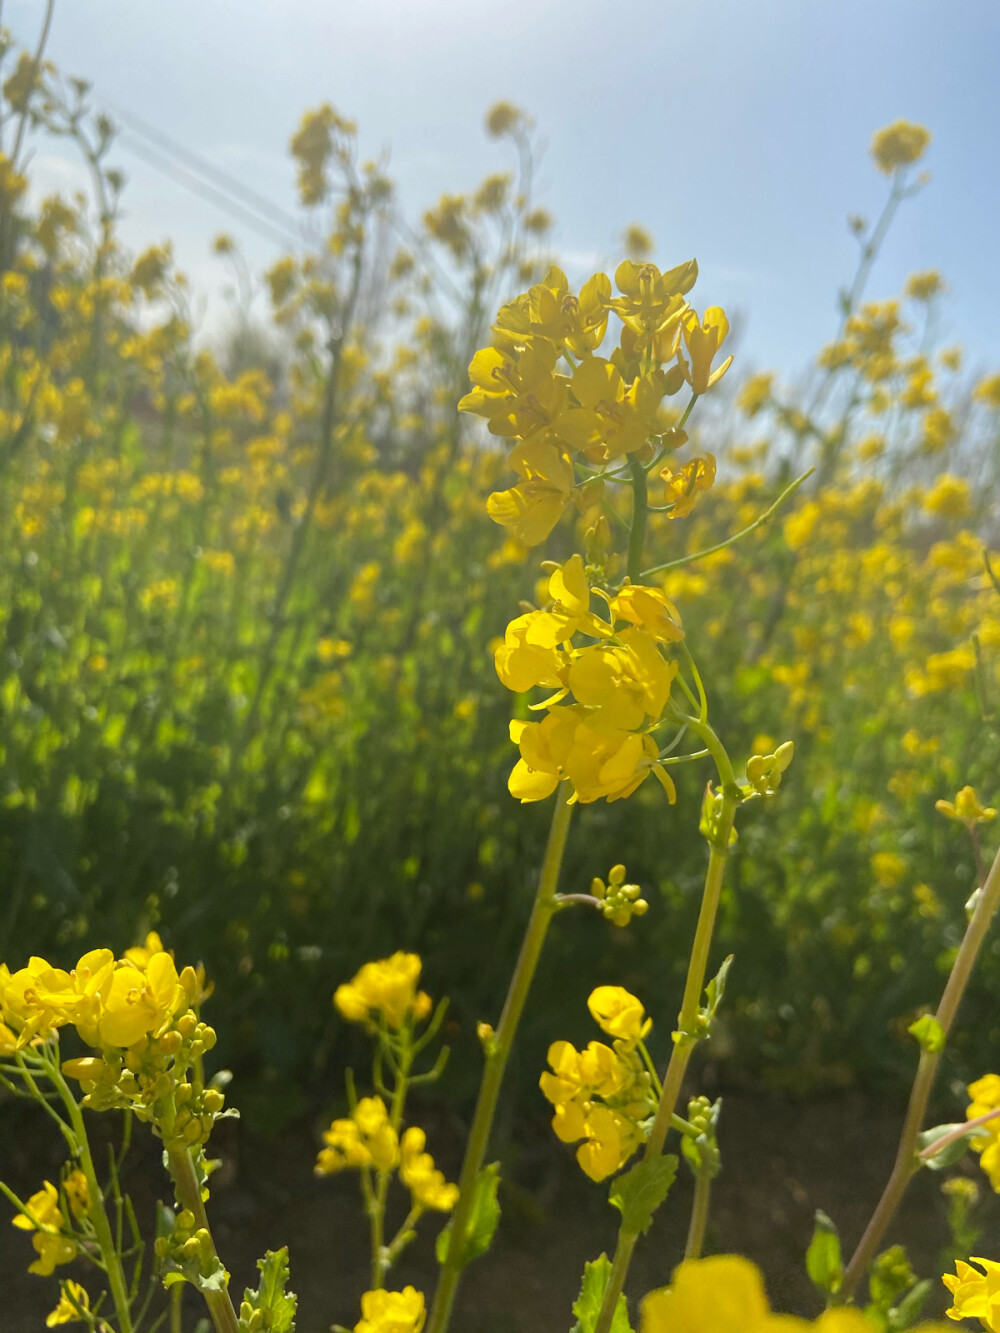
(735,130)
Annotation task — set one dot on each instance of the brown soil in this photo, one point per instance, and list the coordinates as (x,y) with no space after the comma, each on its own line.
(781,1162)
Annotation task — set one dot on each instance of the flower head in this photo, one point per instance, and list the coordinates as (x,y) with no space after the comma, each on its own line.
(392,1312)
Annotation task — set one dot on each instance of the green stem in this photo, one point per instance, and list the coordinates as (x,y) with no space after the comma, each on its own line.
(686,1036)
(97,1213)
(699,1216)
(497,1056)
(220,1305)
(381,1254)
(637,532)
(737,536)
(908,1162)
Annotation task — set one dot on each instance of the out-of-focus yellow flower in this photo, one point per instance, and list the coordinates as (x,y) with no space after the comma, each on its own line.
(366,1139)
(387,987)
(683,486)
(425,1182)
(966,808)
(755,393)
(948,497)
(899,145)
(392,1312)
(888,868)
(988,391)
(924,286)
(72,1302)
(618,1013)
(45,1219)
(725,1294)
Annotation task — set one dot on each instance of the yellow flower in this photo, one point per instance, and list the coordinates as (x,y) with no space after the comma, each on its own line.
(888,868)
(72,1301)
(366,1139)
(988,391)
(650,609)
(618,1013)
(532,508)
(966,808)
(898,145)
(924,286)
(725,1294)
(44,1217)
(652,302)
(392,1312)
(683,486)
(425,1182)
(138,1003)
(77,1193)
(975,1294)
(703,340)
(949,497)
(387,987)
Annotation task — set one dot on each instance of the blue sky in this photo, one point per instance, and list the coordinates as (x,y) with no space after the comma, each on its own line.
(735,130)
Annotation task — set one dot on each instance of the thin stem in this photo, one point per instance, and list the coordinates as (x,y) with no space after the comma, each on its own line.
(220,1305)
(908,1162)
(699,1216)
(497,1056)
(97,1212)
(687,1034)
(959,1132)
(737,536)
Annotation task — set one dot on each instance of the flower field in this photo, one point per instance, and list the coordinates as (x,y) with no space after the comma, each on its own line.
(306,637)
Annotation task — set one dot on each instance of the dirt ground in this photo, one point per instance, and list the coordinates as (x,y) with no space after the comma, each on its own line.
(781,1162)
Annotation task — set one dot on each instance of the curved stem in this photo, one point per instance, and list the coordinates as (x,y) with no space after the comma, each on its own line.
(687,1034)
(908,1162)
(496,1059)
(737,536)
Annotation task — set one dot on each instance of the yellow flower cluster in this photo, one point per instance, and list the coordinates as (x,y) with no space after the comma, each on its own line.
(899,145)
(966,808)
(138,1015)
(725,1294)
(366,1139)
(392,1312)
(620,686)
(385,990)
(603,1094)
(604,409)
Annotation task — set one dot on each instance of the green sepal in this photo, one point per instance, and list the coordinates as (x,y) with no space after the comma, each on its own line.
(587,1305)
(639,1192)
(270,1301)
(928,1032)
(484,1216)
(824,1262)
(947,1156)
(216,1279)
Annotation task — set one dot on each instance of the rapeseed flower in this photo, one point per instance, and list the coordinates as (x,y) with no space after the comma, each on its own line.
(387,988)
(392,1312)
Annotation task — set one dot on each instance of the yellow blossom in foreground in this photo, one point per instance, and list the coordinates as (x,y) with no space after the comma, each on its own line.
(392,1312)
(73,1300)
(618,1013)
(387,987)
(702,340)
(725,1294)
(975,1295)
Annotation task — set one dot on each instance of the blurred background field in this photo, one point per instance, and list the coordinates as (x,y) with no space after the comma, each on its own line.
(248,592)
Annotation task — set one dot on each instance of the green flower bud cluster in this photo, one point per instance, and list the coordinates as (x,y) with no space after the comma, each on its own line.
(701,1147)
(621,901)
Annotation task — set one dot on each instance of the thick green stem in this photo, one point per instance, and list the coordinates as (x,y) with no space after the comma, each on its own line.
(97,1213)
(497,1056)
(907,1162)
(640,514)
(699,1216)
(687,1030)
(220,1305)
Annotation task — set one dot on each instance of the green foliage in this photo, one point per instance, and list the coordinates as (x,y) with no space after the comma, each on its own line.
(587,1305)
(269,1309)
(484,1217)
(823,1258)
(638,1192)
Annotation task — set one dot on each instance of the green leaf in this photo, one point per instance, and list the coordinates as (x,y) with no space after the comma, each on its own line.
(928,1032)
(716,988)
(823,1259)
(484,1215)
(587,1305)
(270,1299)
(639,1192)
(947,1156)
